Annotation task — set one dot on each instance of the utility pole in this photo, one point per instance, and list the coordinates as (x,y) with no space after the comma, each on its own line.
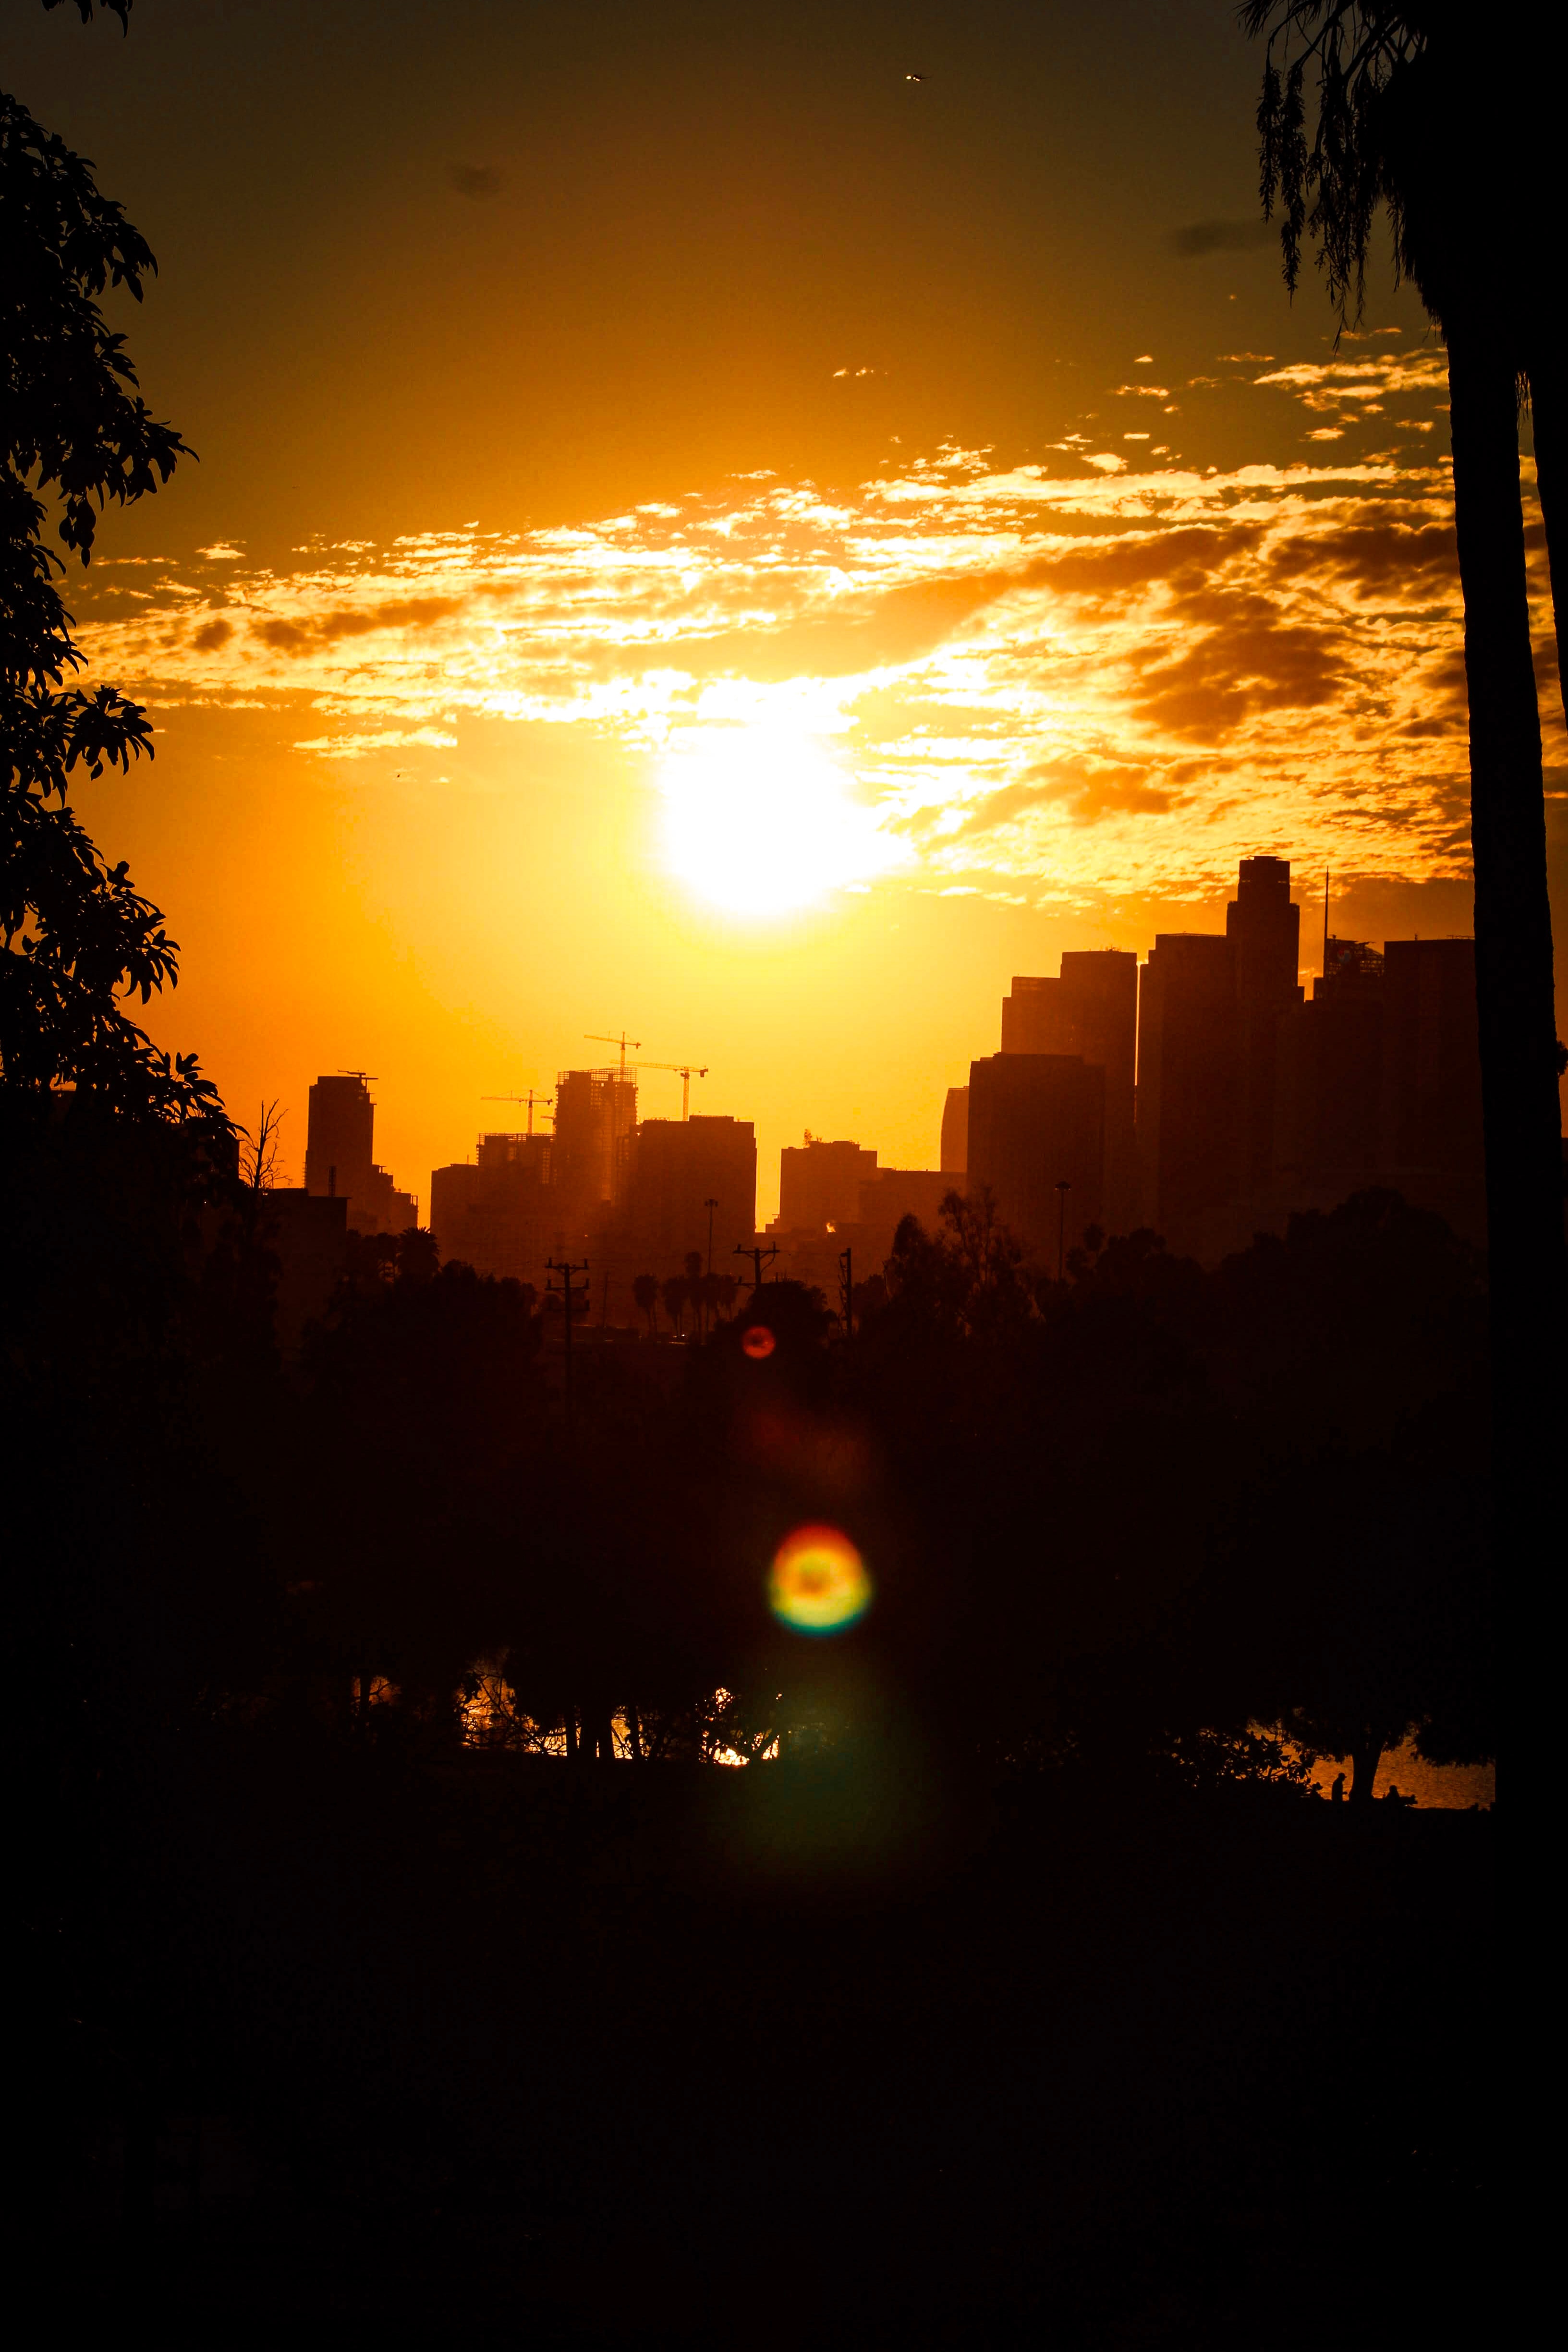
(1063,1189)
(565,1269)
(758,1252)
(847,1284)
(710,1206)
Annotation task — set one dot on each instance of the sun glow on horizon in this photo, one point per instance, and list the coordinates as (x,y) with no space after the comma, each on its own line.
(760,822)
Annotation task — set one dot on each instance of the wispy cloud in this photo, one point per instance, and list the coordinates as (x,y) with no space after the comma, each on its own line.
(1077,683)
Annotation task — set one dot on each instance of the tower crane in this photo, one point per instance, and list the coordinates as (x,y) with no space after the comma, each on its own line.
(595,1037)
(685,1072)
(530,1098)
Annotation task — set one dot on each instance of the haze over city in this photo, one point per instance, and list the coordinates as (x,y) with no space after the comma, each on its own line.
(766,625)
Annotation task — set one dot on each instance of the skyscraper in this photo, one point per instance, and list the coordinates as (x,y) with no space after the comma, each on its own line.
(340,1137)
(1431,1118)
(1037,1121)
(1263,929)
(1328,1092)
(1190,1109)
(955,1132)
(596,1118)
(338,1144)
(1091,1010)
(819,1184)
(682,1164)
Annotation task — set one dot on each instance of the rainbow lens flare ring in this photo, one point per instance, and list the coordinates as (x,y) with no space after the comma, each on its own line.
(819,1582)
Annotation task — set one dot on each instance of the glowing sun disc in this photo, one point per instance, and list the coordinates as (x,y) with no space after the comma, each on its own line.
(761,823)
(819,1582)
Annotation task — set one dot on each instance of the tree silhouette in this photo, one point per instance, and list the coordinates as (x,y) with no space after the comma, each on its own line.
(676,1293)
(77,936)
(645,1295)
(1427,112)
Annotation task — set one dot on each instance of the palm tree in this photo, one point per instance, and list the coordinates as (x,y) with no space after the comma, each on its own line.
(645,1292)
(1439,116)
(674,1291)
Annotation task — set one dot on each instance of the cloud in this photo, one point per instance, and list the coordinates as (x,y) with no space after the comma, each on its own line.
(1220,237)
(1113,678)
(475,181)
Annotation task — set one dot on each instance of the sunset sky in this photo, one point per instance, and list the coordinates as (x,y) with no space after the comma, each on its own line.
(699,531)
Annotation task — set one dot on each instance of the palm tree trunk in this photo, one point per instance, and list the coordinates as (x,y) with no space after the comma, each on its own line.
(1551,428)
(1513,923)
(1365,1758)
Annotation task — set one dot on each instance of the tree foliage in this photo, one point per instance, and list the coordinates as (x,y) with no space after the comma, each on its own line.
(76,438)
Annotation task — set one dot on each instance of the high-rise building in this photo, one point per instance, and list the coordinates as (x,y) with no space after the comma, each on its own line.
(499,1212)
(1431,1118)
(595,1119)
(819,1184)
(1190,1124)
(887,1199)
(340,1137)
(1263,929)
(338,1163)
(682,1164)
(1037,1123)
(1090,1010)
(1327,1093)
(955,1132)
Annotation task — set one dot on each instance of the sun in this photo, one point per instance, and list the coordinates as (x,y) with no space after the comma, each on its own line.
(761,823)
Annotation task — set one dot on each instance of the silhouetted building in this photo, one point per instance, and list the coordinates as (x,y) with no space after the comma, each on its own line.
(1189,1081)
(1431,1143)
(819,1184)
(1090,1010)
(1038,1120)
(596,1118)
(1263,929)
(499,1212)
(338,1163)
(886,1199)
(1328,1095)
(453,1191)
(340,1137)
(955,1132)
(682,1164)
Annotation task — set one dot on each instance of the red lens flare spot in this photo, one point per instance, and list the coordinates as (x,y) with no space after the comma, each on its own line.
(757,1341)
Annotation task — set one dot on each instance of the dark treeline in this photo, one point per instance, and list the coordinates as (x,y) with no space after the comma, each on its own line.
(321,1666)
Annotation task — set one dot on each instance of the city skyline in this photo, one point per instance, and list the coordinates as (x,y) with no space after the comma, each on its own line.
(893,601)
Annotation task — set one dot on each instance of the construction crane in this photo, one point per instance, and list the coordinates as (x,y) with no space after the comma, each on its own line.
(530,1098)
(595,1038)
(685,1072)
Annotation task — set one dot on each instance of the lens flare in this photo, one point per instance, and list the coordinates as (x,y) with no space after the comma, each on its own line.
(818,1583)
(757,1342)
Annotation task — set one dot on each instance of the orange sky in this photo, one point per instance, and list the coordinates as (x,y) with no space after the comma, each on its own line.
(695,530)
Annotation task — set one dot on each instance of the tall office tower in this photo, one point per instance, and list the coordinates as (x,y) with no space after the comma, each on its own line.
(454,1192)
(1091,1010)
(596,1118)
(1329,1081)
(340,1137)
(1431,1059)
(680,1166)
(1189,1082)
(1264,933)
(497,1214)
(338,1141)
(955,1132)
(819,1184)
(1037,1121)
